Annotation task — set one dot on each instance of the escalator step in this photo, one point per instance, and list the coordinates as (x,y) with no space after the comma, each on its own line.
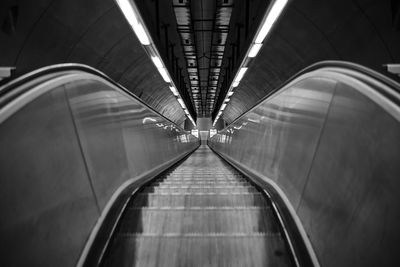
(217,220)
(200,190)
(157,200)
(202,213)
(196,250)
(203,184)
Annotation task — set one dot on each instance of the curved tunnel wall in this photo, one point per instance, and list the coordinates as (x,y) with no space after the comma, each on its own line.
(90,32)
(334,151)
(64,154)
(364,32)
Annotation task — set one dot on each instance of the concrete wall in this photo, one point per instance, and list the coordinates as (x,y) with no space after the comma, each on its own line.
(331,143)
(63,155)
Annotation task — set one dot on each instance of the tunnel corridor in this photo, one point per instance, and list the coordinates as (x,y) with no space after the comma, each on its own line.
(199,133)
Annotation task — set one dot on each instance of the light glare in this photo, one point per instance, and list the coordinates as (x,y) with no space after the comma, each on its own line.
(128,11)
(164,74)
(181,103)
(157,62)
(272,16)
(141,34)
(254,50)
(130,15)
(240,74)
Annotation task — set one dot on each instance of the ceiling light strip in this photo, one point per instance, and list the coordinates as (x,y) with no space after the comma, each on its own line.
(134,19)
(270,18)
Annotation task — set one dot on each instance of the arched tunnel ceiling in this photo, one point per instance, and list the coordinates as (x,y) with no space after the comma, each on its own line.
(91,32)
(360,31)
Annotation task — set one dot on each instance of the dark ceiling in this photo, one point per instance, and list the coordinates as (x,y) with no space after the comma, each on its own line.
(206,38)
(203,27)
(190,36)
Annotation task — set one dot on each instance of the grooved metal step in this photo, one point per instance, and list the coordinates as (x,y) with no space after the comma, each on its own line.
(232,220)
(202,213)
(205,187)
(208,190)
(157,200)
(199,250)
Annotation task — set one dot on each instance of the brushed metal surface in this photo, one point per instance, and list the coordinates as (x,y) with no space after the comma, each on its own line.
(43,182)
(64,151)
(331,142)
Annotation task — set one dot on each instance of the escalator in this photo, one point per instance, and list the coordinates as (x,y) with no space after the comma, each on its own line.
(93,176)
(201,213)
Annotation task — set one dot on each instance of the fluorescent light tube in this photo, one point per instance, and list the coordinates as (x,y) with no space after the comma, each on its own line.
(194,124)
(240,74)
(141,34)
(273,14)
(254,50)
(235,84)
(157,62)
(173,90)
(127,10)
(164,74)
(181,103)
(130,15)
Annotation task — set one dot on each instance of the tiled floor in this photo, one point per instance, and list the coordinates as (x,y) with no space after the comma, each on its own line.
(202,213)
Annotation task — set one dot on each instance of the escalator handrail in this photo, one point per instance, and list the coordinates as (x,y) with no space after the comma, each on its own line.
(8,88)
(393,95)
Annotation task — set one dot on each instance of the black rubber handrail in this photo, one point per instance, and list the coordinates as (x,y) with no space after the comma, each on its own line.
(393,95)
(8,91)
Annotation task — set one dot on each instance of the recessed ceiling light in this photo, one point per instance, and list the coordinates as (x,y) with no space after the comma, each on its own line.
(273,14)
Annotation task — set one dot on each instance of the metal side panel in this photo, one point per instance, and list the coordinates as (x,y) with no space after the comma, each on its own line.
(352,197)
(334,154)
(68,145)
(47,205)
